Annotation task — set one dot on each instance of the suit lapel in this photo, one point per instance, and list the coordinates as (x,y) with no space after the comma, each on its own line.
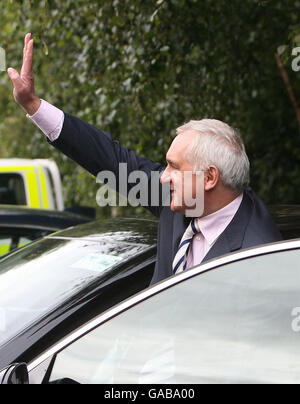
(232,237)
(221,247)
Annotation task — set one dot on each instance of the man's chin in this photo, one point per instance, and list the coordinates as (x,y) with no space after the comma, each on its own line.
(188,212)
(177,208)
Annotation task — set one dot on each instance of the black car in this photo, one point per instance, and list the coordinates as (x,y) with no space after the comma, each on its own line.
(235,319)
(19,226)
(63,282)
(50,287)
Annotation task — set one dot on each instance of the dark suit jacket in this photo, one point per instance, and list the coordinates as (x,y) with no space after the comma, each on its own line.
(96,151)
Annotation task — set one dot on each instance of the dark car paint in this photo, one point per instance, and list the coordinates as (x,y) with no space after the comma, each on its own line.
(41,219)
(17,222)
(124,281)
(127,280)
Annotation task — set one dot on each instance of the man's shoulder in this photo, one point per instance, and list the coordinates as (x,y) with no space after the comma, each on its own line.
(261,227)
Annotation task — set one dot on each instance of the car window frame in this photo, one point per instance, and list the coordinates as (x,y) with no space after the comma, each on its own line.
(16,233)
(198,270)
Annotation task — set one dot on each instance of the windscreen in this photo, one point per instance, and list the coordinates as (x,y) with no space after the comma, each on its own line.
(41,276)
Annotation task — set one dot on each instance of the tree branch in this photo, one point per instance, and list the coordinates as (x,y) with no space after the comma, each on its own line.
(288,86)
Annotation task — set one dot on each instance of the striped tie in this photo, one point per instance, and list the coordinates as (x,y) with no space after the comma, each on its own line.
(180,260)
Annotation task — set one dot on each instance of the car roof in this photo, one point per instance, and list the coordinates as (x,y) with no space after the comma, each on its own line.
(19,162)
(20,216)
(135,230)
(23,210)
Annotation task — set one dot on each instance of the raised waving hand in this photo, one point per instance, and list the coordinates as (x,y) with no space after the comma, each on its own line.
(24,92)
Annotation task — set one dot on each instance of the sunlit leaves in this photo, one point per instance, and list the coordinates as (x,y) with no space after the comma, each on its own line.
(140,68)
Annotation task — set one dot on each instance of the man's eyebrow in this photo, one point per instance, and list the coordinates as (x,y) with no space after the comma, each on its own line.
(171,162)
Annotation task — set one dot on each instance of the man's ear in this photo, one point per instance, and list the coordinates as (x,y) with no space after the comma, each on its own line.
(211,178)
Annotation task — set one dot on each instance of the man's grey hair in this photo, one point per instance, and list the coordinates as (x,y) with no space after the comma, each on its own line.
(220,145)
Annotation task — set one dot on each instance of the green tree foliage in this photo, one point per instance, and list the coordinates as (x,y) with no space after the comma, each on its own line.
(139,69)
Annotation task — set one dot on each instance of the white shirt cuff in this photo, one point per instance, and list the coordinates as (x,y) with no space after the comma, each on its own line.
(49,119)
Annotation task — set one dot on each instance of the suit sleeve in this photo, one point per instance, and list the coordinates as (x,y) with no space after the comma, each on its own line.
(95,151)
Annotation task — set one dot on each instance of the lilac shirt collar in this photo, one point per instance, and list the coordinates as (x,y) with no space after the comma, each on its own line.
(212,226)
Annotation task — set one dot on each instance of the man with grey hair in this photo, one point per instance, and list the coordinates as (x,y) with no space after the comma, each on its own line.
(212,211)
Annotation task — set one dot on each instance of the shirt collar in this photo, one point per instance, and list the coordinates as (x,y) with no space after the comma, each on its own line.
(213,225)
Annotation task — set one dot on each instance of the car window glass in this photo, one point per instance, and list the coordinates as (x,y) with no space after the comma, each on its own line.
(12,238)
(23,241)
(236,324)
(8,243)
(5,243)
(12,191)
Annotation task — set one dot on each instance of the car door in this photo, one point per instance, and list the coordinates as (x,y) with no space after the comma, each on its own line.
(238,322)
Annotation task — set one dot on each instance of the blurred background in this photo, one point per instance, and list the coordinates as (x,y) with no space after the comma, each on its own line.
(139,69)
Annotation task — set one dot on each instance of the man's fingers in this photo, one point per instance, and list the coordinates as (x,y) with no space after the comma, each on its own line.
(27,55)
(26,40)
(15,77)
(23,83)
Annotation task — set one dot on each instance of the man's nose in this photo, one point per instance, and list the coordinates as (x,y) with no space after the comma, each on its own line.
(165,177)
